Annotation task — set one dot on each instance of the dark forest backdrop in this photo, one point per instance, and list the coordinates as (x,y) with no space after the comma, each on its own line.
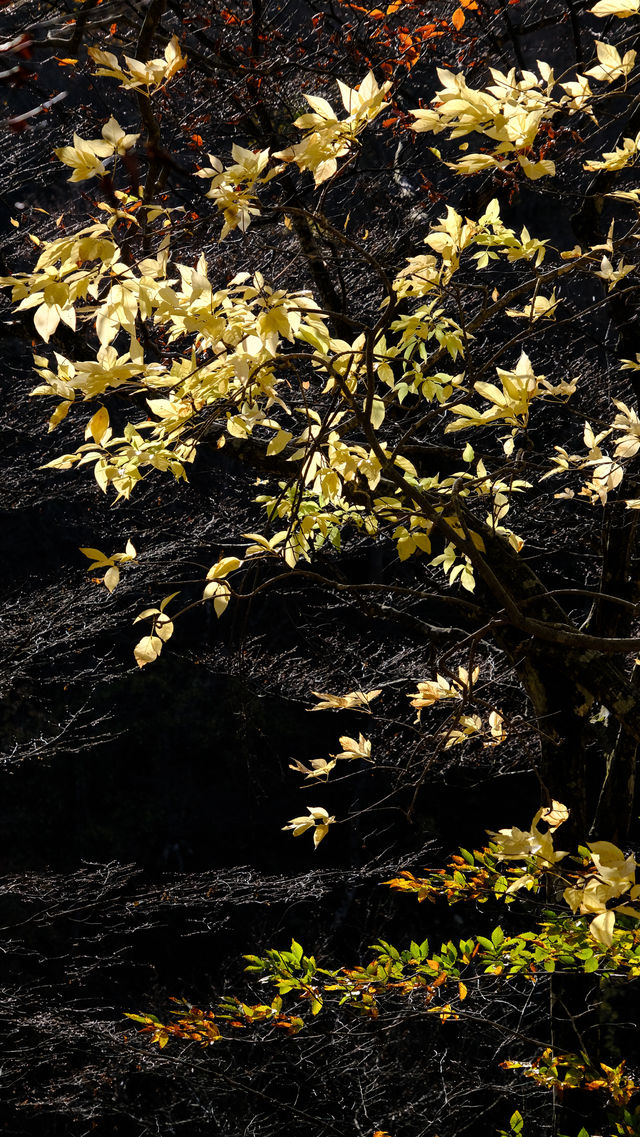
(142,810)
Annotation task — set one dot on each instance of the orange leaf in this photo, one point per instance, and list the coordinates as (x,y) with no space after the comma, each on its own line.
(113,29)
(458,19)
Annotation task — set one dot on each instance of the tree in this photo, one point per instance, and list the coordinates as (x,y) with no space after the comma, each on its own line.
(319,347)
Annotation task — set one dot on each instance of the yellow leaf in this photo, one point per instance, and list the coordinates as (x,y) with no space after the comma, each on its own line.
(555,815)
(223,567)
(279,442)
(462,991)
(146,614)
(98,559)
(147,650)
(353,700)
(377,413)
(446,1013)
(111,577)
(164,628)
(611,66)
(354,749)
(46,320)
(98,425)
(601,928)
(619,8)
(220,593)
(174,57)
(60,412)
(165,600)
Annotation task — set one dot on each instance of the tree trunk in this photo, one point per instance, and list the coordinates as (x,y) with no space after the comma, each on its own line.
(587,709)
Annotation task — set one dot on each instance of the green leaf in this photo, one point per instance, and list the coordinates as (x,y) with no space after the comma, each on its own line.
(497,937)
(297,952)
